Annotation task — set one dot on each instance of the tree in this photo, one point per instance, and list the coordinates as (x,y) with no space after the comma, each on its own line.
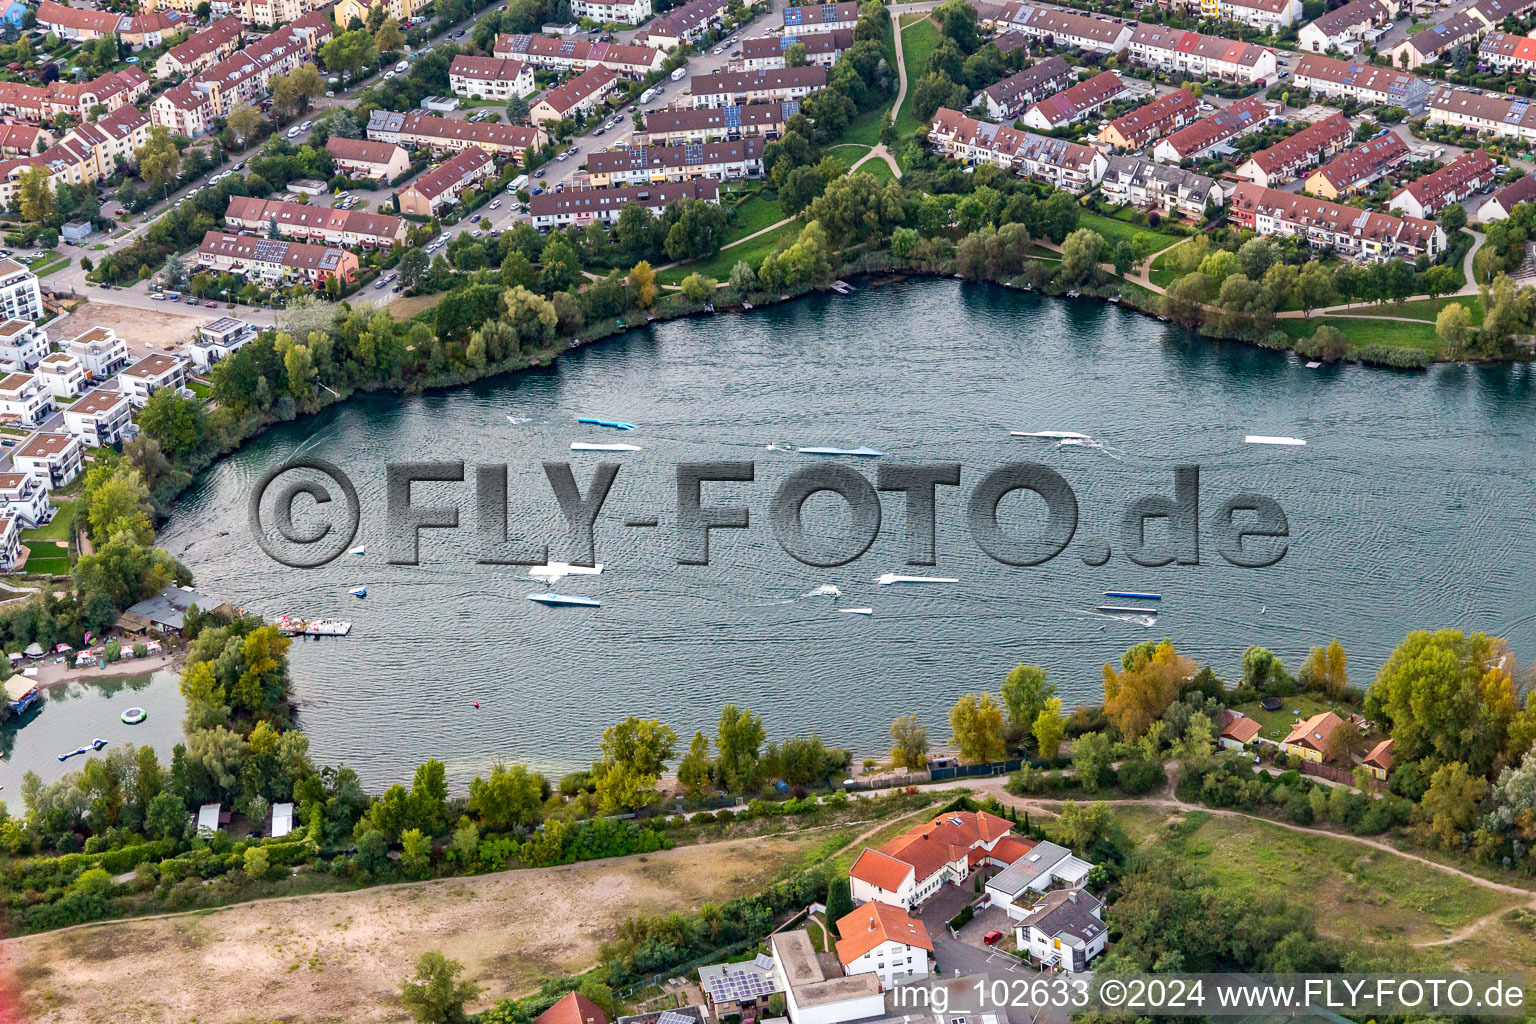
(413,267)
(1453,218)
(1081,827)
(743,277)
(976,722)
(512,797)
(159,160)
(739,736)
(697,288)
(635,753)
(166,818)
(434,996)
(1092,757)
(388,38)
(35,195)
(350,52)
(177,423)
(642,284)
(1049,726)
(1080,255)
(293,91)
(909,743)
(1149,680)
(415,852)
(344,126)
(839,901)
(518,111)
(694,771)
(244,121)
(1025,692)
(1325,669)
(1314,287)
(257,864)
(1451,805)
(794,57)
(1453,326)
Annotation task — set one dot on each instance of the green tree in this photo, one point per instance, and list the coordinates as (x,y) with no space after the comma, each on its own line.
(1081,827)
(513,797)
(1452,804)
(350,52)
(635,753)
(697,288)
(1092,759)
(415,852)
(1049,727)
(909,743)
(257,864)
(976,722)
(434,996)
(738,738)
(1453,218)
(159,160)
(694,771)
(839,901)
(244,121)
(34,195)
(1025,692)
(642,284)
(1080,255)
(1453,326)
(1314,287)
(388,38)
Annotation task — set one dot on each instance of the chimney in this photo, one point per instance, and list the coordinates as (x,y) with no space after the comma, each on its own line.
(1072,895)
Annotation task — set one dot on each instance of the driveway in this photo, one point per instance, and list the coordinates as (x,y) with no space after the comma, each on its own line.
(957,956)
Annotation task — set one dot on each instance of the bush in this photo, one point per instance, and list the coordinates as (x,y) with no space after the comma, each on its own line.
(962,919)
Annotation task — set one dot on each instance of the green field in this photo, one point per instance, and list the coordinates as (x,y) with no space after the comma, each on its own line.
(1360,331)
(918,42)
(878,169)
(848,152)
(719,266)
(1423,309)
(1115,231)
(864,130)
(56,530)
(752,216)
(1276,725)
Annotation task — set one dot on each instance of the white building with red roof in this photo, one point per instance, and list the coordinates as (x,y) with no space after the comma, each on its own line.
(1457,180)
(880,939)
(1075,103)
(1175,49)
(912,867)
(1237,730)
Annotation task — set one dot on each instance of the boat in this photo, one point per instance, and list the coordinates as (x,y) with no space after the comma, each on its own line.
(888,578)
(133,716)
(583,446)
(824,590)
(1133,595)
(746,305)
(1055,435)
(855,611)
(357,550)
(1266,439)
(1120,609)
(359,592)
(554,572)
(862,451)
(1074,294)
(611,424)
(566,600)
(1314,364)
(292,625)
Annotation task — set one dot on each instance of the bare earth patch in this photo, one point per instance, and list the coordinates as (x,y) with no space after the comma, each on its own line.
(340,957)
(145,330)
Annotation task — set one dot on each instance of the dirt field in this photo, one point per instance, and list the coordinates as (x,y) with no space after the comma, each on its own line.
(341,957)
(145,330)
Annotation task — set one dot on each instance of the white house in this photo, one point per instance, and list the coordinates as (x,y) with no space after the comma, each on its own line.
(218,339)
(20,296)
(1044,865)
(51,459)
(912,867)
(24,498)
(99,419)
(22,345)
(62,374)
(149,375)
(623,12)
(24,400)
(1065,929)
(880,939)
(100,351)
(810,995)
(10,548)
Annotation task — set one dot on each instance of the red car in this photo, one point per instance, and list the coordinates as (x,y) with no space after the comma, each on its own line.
(992,938)
(211,305)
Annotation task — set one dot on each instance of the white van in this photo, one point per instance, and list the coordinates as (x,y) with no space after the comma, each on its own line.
(402,66)
(521,181)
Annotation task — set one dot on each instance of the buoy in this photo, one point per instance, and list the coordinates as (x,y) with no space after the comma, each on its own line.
(477,703)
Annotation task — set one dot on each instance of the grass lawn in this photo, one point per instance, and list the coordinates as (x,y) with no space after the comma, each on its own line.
(1360,331)
(848,152)
(1424,309)
(719,266)
(56,530)
(752,216)
(200,389)
(879,169)
(1276,725)
(43,561)
(918,42)
(1040,252)
(864,130)
(817,936)
(1114,231)
(52,268)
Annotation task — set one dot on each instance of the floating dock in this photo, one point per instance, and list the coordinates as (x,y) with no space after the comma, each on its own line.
(292,625)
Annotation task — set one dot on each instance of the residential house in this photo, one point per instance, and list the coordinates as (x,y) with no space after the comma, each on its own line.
(372,161)
(584,206)
(735,989)
(219,338)
(1354,169)
(572,1008)
(100,418)
(579,54)
(1069,166)
(1437,41)
(882,940)
(1378,760)
(1427,196)
(771,85)
(24,400)
(202,50)
(612,12)
(166,613)
(1065,929)
(1074,104)
(1151,121)
(23,140)
(1287,159)
(22,345)
(1502,202)
(319,224)
(45,102)
(808,19)
(100,351)
(92,150)
(448,135)
(1140,182)
(442,186)
(912,867)
(640,165)
(1362,235)
(1361,82)
(76,23)
(688,125)
(153,372)
(1055,26)
(1266,15)
(1344,28)
(1007,99)
(1217,132)
(685,24)
(1237,730)
(490,78)
(1041,867)
(20,296)
(61,374)
(1507,51)
(264,13)
(400,10)
(821,49)
(1509,116)
(816,991)
(53,460)
(576,98)
(24,498)
(1493,12)
(1173,49)
(14,13)
(271,262)
(1309,737)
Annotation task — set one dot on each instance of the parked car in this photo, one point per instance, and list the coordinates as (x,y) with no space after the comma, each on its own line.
(306,126)
(211,305)
(379,284)
(402,66)
(992,938)
(495,204)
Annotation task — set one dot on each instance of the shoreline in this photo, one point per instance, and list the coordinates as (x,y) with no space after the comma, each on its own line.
(62,675)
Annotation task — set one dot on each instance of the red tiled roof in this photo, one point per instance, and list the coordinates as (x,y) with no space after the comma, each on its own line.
(880,870)
(874,923)
(573,1008)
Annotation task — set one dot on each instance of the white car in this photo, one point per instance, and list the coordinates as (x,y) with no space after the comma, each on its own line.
(292,133)
(389,75)
(192,192)
(563,157)
(495,204)
(400,68)
(306,126)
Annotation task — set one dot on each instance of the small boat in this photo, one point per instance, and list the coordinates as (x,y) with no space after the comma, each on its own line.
(610,424)
(709,307)
(862,450)
(855,611)
(891,577)
(1133,595)
(825,590)
(1055,435)
(292,625)
(746,305)
(583,446)
(1121,609)
(1314,364)
(359,592)
(560,600)
(554,572)
(357,550)
(1074,294)
(1266,439)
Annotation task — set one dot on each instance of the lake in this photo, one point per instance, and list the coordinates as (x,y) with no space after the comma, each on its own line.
(1410,507)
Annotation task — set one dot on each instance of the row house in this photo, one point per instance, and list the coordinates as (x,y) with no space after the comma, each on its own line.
(771,85)
(24,400)
(1427,196)
(1137,181)
(52,460)
(150,374)
(1506,51)
(821,48)
(1363,235)
(1503,202)
(1265,15)
(100,419)
(400,10)
(612,12)
(1074,104)
(442,186)
(1151,121)
(1435,42)
(22,140)
(22,344)
(1007,99)
(1356,168)
(1492,13)
(24,498)
(267,13)
(1052,26)
(373,161)
(100,351)
(490,78)
(219,339)
(271,262)
(561,54)
(577,98)
(139,30)
(1069,166)
(20,296)
(1173,49)
(1219,131)
(681,125)
(580,207)
(1511,116)
(449,135)
(202,51)
(639,165)
(685,24)
(62,374)
(1344,28)
(1361,82)
(1287,159)
(43,103)
(810,18)
(304,223)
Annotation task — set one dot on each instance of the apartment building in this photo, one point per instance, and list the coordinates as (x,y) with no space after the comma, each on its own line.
(561,54)
(1344,28)
(1506,51)
(1217,132)
(1064,28)
(400,10)
(1437,41)
(1172,49)
(1354,169)
(1463,176)
(441,187)
(576,98)
(682,125)
(1493,12)
(580,207)
(43,103)
(1510,116)
(61,374)
(150,374)
(269,13)
(52,460)
(100,419)
(1075,103)
(1362,235)
(490,78)
(22,345)
(1361,82)
(639,165)
(218,340)
(202,50)
(1266,15)
(821,48)
(685,24)
(771,85)
(1007,99)
(21,140)
(1287,159)
(81,24)
(20,297)
(100,351)
(1069,166)
(319,224)
(1151,121)
(273,262)
(811,18)
(620,12)
(1137,181)
(24,400)
(24,498)
(373,161)
(449,135)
